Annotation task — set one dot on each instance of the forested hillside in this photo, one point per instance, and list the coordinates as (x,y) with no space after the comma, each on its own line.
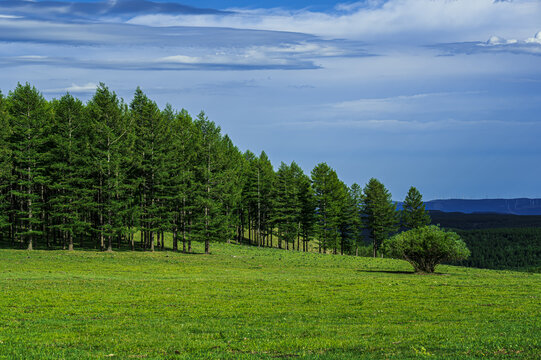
(503,248)
(496,241)
(463,221)
(109,175)
(94,175)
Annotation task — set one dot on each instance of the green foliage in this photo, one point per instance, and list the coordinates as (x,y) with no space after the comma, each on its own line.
(105,174)
(30,119)
(329,194)
(285,204)
(356,195)
(518,248)
(484,221)
(426,247)
(249,303)
(5,163)
(213,175)
(414,214)
(379,212)
(110,154)
(68,169)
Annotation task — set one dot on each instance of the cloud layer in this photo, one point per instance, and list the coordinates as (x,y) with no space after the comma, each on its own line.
(424,92)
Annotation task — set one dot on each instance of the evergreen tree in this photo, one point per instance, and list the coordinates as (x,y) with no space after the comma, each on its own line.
(5,165)
(307,215)
(251,198)
(266,191)
(285,215)
(231,194)
(110,157)
(379,211)
(348,221)
(181,159)
(67,169)
(356,194)
(30,116)
(211,183)
(414,214)
(150,156)
(328,196)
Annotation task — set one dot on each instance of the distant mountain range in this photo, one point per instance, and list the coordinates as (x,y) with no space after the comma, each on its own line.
(496,206)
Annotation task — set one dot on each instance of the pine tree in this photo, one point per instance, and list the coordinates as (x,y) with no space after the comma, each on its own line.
(328,196)
(250,192)
(266,191)
(307,215)
(379,211)
(5,165)
(285,215)
(68,183)
(210,184)
(150,155)
(414,214)
(182,159)
(348,221)
(30,116)
(231,194)
(110,130)
(356,193)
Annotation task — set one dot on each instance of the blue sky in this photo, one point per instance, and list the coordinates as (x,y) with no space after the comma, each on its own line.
(443,95)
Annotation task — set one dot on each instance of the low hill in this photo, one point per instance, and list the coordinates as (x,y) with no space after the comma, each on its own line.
(249,303)
(456,220)
(521,206)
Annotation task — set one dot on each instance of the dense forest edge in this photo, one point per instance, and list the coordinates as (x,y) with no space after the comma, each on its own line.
(109,175)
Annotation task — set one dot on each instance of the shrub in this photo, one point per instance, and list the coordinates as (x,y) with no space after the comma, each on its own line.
(426,247)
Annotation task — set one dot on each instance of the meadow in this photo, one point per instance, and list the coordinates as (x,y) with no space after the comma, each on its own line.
(248,303)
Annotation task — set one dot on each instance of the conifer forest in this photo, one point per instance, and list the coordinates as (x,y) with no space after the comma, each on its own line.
(109,175)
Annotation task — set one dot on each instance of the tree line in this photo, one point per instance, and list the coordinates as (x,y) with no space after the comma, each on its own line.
(95,174)
(503,248)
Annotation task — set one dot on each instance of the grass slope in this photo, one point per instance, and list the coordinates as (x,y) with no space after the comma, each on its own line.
(245,303)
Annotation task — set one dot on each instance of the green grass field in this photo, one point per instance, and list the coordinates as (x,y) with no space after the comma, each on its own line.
(249,303)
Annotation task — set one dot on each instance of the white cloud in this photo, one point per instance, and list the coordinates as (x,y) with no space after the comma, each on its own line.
(535,40)
(9,16)
(404,104)
(499,41)
(394,20)
(74,88)
(89,87)
(398,126)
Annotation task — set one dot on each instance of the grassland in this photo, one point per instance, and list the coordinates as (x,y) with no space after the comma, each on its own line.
(249,303)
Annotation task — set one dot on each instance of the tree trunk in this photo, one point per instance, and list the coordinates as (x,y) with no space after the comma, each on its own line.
(190,239)
(29,189)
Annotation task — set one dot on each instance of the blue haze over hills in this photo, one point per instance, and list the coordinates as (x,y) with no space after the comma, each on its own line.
(521,206)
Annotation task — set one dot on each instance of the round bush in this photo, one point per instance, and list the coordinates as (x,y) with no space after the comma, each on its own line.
(426,247)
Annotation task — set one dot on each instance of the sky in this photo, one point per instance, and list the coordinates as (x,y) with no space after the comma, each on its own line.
(438,94)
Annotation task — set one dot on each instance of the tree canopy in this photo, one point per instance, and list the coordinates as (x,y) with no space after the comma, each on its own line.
(426,247)
(108,175)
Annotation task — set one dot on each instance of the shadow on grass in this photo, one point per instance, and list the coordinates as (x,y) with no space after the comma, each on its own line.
(5,245)
(398,272)
(386,271)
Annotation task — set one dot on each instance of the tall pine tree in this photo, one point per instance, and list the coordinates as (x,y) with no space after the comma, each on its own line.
(5,165)
(111,127)
(69,193)
(414,214)
(379,211)
(30,118)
